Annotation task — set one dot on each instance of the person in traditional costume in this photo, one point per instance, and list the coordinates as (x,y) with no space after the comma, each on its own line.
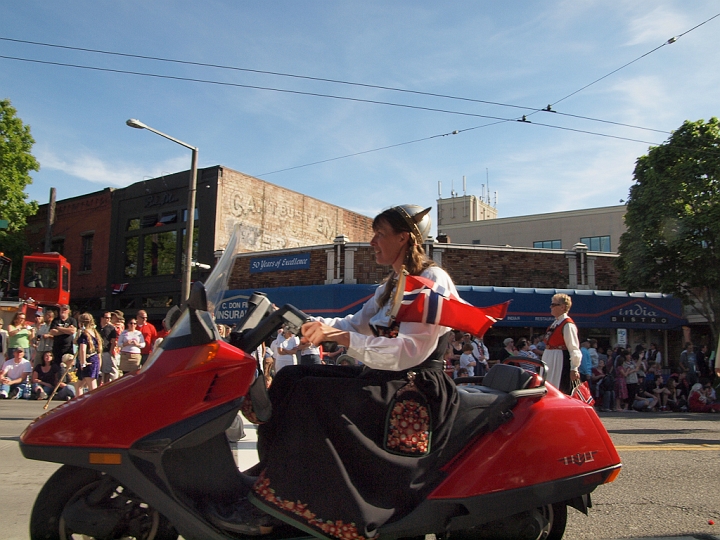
(349,449)
(562,353)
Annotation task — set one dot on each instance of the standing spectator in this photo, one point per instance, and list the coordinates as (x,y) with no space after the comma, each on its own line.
(309,354)
(653,355)
(702,361)
(286,345)
(621,390)
(89,344)
(467,360)
(688,363)
(562,354)
(586,366)
(631,375)
(149,333)
(130,342)
(44,341)
(592,349)
(480,351)
(14,374)
(601,355)
(20,334)
(3,340)
(62,329)
(109,336)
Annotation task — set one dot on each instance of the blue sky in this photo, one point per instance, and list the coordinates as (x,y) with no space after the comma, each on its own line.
(523,53)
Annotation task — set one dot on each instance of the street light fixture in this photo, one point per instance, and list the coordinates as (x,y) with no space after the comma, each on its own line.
(190,222)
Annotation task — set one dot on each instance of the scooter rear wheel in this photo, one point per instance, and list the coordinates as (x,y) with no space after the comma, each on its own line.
(69,485)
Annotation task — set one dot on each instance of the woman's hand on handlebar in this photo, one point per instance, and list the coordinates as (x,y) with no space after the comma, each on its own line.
(316,332)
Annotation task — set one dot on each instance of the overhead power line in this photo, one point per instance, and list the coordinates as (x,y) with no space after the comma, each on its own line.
(299,92)
(319,79)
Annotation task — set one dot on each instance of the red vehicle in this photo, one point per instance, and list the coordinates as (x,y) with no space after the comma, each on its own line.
(143,455)
(46,279)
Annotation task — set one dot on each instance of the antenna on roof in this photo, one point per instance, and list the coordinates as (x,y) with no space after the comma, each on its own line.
(464,186)
(439,189)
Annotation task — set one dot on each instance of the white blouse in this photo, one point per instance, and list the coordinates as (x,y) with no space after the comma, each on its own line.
(414,342)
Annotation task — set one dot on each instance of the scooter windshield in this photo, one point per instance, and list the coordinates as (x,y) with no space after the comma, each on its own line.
(215,288)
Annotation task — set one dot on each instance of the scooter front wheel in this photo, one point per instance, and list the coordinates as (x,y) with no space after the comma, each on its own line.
(82,503)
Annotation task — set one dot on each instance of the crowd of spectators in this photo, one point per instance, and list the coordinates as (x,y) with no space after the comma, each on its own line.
(65,355)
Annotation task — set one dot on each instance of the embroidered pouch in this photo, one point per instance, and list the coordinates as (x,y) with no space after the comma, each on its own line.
(408,426)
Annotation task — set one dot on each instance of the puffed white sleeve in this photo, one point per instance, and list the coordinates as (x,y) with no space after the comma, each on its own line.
(412,345)
(573,345)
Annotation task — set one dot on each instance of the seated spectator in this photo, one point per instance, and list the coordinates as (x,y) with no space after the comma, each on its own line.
(523,349)
(44,377)
(331,351)
(661,392)
(675,402)
(700,399)
(644,401)
(508,350)
(14,374)
(346,360)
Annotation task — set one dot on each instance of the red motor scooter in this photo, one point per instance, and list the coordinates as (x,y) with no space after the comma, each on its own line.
(144,456)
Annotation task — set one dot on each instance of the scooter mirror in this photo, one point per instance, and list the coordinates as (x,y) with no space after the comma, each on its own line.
(198,298)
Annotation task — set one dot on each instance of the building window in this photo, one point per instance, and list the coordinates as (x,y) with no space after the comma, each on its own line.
(597,243)
(87,249)
(133,224)
(548,244)
(132,246)
(159,253)
(476,242)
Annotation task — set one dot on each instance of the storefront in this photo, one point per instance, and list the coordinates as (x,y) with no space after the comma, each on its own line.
(609,316)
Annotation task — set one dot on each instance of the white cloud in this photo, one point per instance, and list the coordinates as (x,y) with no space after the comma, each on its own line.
(93,169)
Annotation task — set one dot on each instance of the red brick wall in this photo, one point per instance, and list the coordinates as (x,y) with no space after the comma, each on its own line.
(467,266)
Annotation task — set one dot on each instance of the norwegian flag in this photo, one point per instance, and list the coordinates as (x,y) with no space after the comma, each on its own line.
(425,301)
(118,288)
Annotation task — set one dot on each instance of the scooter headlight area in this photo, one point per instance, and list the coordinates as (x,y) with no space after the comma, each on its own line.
(144,456)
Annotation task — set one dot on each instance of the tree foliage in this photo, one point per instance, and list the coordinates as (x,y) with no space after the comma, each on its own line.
(16,162)
(672,243)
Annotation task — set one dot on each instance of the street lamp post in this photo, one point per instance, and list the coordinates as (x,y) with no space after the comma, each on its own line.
(190,222)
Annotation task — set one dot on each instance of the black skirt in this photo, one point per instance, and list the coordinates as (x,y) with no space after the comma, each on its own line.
(324,453)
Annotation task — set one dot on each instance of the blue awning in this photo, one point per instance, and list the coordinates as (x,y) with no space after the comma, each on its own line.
(528,307)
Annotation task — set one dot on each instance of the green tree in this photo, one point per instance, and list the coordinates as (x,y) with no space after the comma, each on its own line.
(672,243)
(16,162)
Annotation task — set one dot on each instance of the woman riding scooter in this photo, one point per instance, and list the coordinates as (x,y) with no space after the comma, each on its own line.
(331,458)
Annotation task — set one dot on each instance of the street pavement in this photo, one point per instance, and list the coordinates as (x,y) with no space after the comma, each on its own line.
(669,486)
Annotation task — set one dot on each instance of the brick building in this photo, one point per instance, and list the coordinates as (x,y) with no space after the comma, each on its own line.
(131,240)
(148,236)
(81,233)
(336,278)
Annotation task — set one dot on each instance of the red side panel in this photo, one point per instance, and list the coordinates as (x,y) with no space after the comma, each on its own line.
(175,387)
(548,439)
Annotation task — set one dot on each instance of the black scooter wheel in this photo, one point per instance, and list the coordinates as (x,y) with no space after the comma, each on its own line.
(69,484)
(558,521)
